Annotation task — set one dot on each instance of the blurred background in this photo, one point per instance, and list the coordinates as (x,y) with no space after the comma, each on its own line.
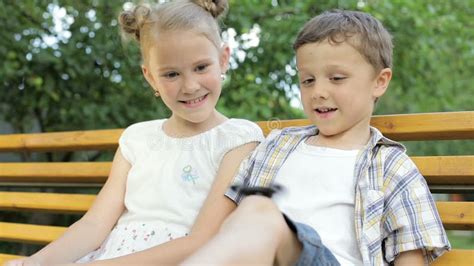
(65,67)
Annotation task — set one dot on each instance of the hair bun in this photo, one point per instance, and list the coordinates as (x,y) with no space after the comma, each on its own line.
(215,7)
(131,21)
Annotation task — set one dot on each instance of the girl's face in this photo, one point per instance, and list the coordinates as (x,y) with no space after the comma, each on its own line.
(185,68)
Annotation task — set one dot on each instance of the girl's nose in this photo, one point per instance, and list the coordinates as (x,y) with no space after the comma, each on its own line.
(190,85)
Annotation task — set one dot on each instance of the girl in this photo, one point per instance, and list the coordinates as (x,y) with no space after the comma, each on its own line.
(164,169)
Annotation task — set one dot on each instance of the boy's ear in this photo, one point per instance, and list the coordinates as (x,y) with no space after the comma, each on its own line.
(224,58)
(382,81)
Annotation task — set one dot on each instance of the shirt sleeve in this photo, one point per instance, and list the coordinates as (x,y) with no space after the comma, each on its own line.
(125,145)
(235,134)
(411,218)
(242,176)
(247,166)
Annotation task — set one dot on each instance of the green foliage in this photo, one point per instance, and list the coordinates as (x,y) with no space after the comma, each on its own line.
(92,80)
(87,81)
(433,57)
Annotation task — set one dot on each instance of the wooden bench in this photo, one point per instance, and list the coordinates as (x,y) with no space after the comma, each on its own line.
(444,173)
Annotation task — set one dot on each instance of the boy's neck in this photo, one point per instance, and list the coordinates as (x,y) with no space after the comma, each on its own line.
(343,141)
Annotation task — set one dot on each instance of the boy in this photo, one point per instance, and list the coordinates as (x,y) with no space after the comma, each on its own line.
(358,189)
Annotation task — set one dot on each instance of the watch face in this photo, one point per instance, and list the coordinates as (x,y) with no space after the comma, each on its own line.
(263,191)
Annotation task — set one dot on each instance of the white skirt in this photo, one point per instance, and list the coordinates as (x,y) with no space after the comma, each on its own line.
(128,238)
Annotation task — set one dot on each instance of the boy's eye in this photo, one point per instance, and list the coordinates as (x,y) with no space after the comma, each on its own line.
(201,68)
(307,81)
(171,75)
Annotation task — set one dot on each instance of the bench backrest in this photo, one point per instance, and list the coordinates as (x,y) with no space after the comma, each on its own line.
(444,173)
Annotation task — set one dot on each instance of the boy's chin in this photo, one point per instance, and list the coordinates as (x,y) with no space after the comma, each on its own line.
(327,131)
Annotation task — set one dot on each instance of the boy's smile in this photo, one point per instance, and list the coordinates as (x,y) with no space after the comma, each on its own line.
(338,90)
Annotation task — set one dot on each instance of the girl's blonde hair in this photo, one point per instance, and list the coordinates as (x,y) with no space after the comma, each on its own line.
(144,22)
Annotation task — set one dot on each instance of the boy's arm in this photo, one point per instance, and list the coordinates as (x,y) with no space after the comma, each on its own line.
(410,258)
(411,220)
(214,211)
(88,233)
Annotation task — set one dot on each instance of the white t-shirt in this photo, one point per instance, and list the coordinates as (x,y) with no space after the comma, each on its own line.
(319,190)
(168,182)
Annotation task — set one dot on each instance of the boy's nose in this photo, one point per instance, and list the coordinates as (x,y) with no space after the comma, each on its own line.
(319,92)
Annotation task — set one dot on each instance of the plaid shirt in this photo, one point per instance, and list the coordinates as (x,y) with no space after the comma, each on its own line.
(394,210)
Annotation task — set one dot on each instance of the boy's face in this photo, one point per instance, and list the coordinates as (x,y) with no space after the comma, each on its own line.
(338,89)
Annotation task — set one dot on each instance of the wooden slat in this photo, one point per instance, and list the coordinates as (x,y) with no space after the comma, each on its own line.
(427,126)
(6,257)
(456,257)
(58,141)
(456,215)
(22,233)
(268,126)
(451,170)
(48,202)
(446,170)
(44,234)
(423,126)
(28,233)
(91,172)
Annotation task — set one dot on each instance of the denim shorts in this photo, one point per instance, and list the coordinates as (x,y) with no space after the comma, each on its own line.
(314,252)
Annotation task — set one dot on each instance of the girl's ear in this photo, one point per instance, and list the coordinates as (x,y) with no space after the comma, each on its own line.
(149,77)
(382,81)
(224,58)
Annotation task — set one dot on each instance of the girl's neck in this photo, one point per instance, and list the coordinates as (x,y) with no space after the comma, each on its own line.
(179,128)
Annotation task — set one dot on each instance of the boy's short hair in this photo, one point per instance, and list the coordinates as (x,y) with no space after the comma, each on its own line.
(372,40)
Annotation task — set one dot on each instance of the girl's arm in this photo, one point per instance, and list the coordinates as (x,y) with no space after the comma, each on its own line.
(215,209)
(89,232)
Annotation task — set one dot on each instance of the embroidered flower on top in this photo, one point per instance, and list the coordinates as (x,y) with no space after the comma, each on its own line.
(189,174)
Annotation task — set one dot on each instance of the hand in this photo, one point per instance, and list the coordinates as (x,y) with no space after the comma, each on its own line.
(26,261)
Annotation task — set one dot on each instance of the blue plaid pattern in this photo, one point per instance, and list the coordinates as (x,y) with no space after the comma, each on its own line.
(394,209)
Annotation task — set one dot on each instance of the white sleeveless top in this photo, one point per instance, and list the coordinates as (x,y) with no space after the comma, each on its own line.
(168,182)
(324,182)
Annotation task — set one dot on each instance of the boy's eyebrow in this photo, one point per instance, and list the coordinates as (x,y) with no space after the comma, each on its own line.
(327,67)
(330,66)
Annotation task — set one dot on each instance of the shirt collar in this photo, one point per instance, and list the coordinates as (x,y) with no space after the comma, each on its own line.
(376,137)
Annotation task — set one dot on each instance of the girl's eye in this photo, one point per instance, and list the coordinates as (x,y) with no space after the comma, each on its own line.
(337,78)
(171,75)
(201,68)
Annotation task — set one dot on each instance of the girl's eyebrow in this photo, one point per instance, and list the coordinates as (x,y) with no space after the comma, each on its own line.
(203,60)
(165,68)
